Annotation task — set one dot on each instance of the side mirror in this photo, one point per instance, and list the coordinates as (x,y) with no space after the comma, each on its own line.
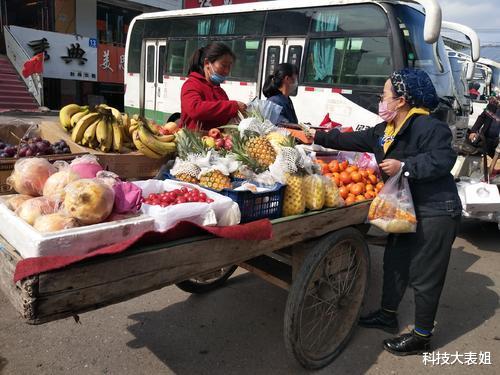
(469,74)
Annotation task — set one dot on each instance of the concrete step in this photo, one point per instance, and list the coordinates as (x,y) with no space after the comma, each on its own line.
(8,86)
(15,92)
(10,105)
(10,78)
(7,70)
(16,99)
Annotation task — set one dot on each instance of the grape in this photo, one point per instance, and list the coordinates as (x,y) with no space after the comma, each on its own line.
(3,155)
(41,146)
(22,152)
(10,151)
(33,148)
(66,150)
(37,139)
(2,145)
(45,142)
(29,152)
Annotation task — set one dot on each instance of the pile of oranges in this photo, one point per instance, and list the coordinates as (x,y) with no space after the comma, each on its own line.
(355,184)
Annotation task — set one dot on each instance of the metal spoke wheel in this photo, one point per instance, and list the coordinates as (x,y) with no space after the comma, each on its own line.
(206,283)
(325,299)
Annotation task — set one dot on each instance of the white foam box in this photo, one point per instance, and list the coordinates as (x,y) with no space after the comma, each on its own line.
(75,241)
(482,197)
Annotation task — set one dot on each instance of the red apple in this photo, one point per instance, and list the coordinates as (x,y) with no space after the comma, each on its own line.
(214,133)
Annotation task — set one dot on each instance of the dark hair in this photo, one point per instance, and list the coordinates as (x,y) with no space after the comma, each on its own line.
(273,82)
(211,52)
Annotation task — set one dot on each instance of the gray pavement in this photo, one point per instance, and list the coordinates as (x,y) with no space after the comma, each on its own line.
(239,328)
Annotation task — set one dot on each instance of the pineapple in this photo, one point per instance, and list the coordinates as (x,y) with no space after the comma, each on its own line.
(215,180)
(187,178)
(260,149)
(314,192)
(293,201)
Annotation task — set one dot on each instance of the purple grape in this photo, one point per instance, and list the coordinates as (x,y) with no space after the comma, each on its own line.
(37,139)
(45,142)
(3,155)
(33,148)
(22,152)
(66,150)
(2,145)
(10,151)
(41,146)
(29,152)
(49,151)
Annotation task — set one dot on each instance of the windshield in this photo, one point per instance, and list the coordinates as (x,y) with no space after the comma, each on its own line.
(420,54)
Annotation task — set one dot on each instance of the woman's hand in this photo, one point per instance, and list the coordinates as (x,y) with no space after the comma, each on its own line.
(472,137)
(390,166)
(242,107)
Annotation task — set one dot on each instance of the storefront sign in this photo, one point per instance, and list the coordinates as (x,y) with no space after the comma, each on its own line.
(66,56)
(111,63)
(213,3)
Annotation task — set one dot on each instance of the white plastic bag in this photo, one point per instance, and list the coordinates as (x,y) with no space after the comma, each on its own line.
(221,212)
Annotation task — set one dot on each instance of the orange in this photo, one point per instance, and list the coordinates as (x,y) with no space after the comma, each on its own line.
(334,166)
(344,192)
(356,176)
(345,178)
(360,198)
(372,178)
(350,200)
(356,189)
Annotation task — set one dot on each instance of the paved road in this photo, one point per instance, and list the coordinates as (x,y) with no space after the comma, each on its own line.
(238,329)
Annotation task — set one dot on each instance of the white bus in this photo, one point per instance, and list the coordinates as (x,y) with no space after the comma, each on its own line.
(345,50)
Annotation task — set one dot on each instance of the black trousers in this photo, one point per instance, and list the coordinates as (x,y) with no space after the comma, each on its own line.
(419,260)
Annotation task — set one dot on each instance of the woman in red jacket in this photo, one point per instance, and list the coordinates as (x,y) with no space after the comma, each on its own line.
(204,104)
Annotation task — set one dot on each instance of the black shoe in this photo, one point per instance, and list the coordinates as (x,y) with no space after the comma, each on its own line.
(408,344)
(380,319)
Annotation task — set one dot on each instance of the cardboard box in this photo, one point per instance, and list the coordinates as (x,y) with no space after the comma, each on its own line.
(130,166)
(75,241)
(12,133)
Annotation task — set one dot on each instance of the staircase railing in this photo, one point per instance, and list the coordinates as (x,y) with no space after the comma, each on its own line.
(18,56)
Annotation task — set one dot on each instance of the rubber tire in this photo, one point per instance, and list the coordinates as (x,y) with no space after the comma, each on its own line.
(194,287)
(297,290)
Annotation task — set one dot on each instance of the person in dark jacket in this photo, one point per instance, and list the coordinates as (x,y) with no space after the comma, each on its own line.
(487,125)
(412,141)
(278,87)
(204,104)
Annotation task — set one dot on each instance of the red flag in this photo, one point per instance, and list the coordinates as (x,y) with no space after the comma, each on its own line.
(33,65)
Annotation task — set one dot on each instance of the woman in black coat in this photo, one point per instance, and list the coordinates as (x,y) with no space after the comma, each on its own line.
(488,126)
(412,141)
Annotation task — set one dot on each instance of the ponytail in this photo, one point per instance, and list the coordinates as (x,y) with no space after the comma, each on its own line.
(196,62)
(273,82)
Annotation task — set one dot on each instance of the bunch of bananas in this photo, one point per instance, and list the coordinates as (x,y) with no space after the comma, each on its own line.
(108,130)
(101,129)
(148,140)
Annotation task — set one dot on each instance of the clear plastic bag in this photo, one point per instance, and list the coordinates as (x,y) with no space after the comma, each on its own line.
(266,109)
(314,192)
(294,202)
(29,175)
(332,195)
(31,209)
(56,183)
(90,201)
(393,210)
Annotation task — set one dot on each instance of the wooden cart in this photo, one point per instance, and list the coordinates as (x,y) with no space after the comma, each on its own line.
(320,257)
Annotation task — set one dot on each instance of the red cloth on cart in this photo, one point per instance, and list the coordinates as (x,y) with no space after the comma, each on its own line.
(253,231)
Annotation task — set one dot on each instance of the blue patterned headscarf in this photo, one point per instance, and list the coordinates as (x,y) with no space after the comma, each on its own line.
(416,87)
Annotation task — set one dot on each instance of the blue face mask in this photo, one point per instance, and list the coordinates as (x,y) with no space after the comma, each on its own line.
(216,78)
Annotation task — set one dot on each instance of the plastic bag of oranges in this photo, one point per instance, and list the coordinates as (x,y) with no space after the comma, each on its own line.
(393,210)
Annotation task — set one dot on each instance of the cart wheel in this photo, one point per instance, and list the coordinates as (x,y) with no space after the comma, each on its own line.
(208,282)
(325,300)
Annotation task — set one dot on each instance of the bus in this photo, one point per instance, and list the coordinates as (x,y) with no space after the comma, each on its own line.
(345,50)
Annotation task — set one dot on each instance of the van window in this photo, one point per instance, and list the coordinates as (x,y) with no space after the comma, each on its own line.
(239,24)
(420,54)
(349,18)
(287,22)
(349,61)
(179,54)
(190,26)
(134,48)
(246,65)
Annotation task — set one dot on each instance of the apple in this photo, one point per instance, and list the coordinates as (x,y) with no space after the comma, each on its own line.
(219,143)
(228,144)
(208,141)
(171,127)
(214,133)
